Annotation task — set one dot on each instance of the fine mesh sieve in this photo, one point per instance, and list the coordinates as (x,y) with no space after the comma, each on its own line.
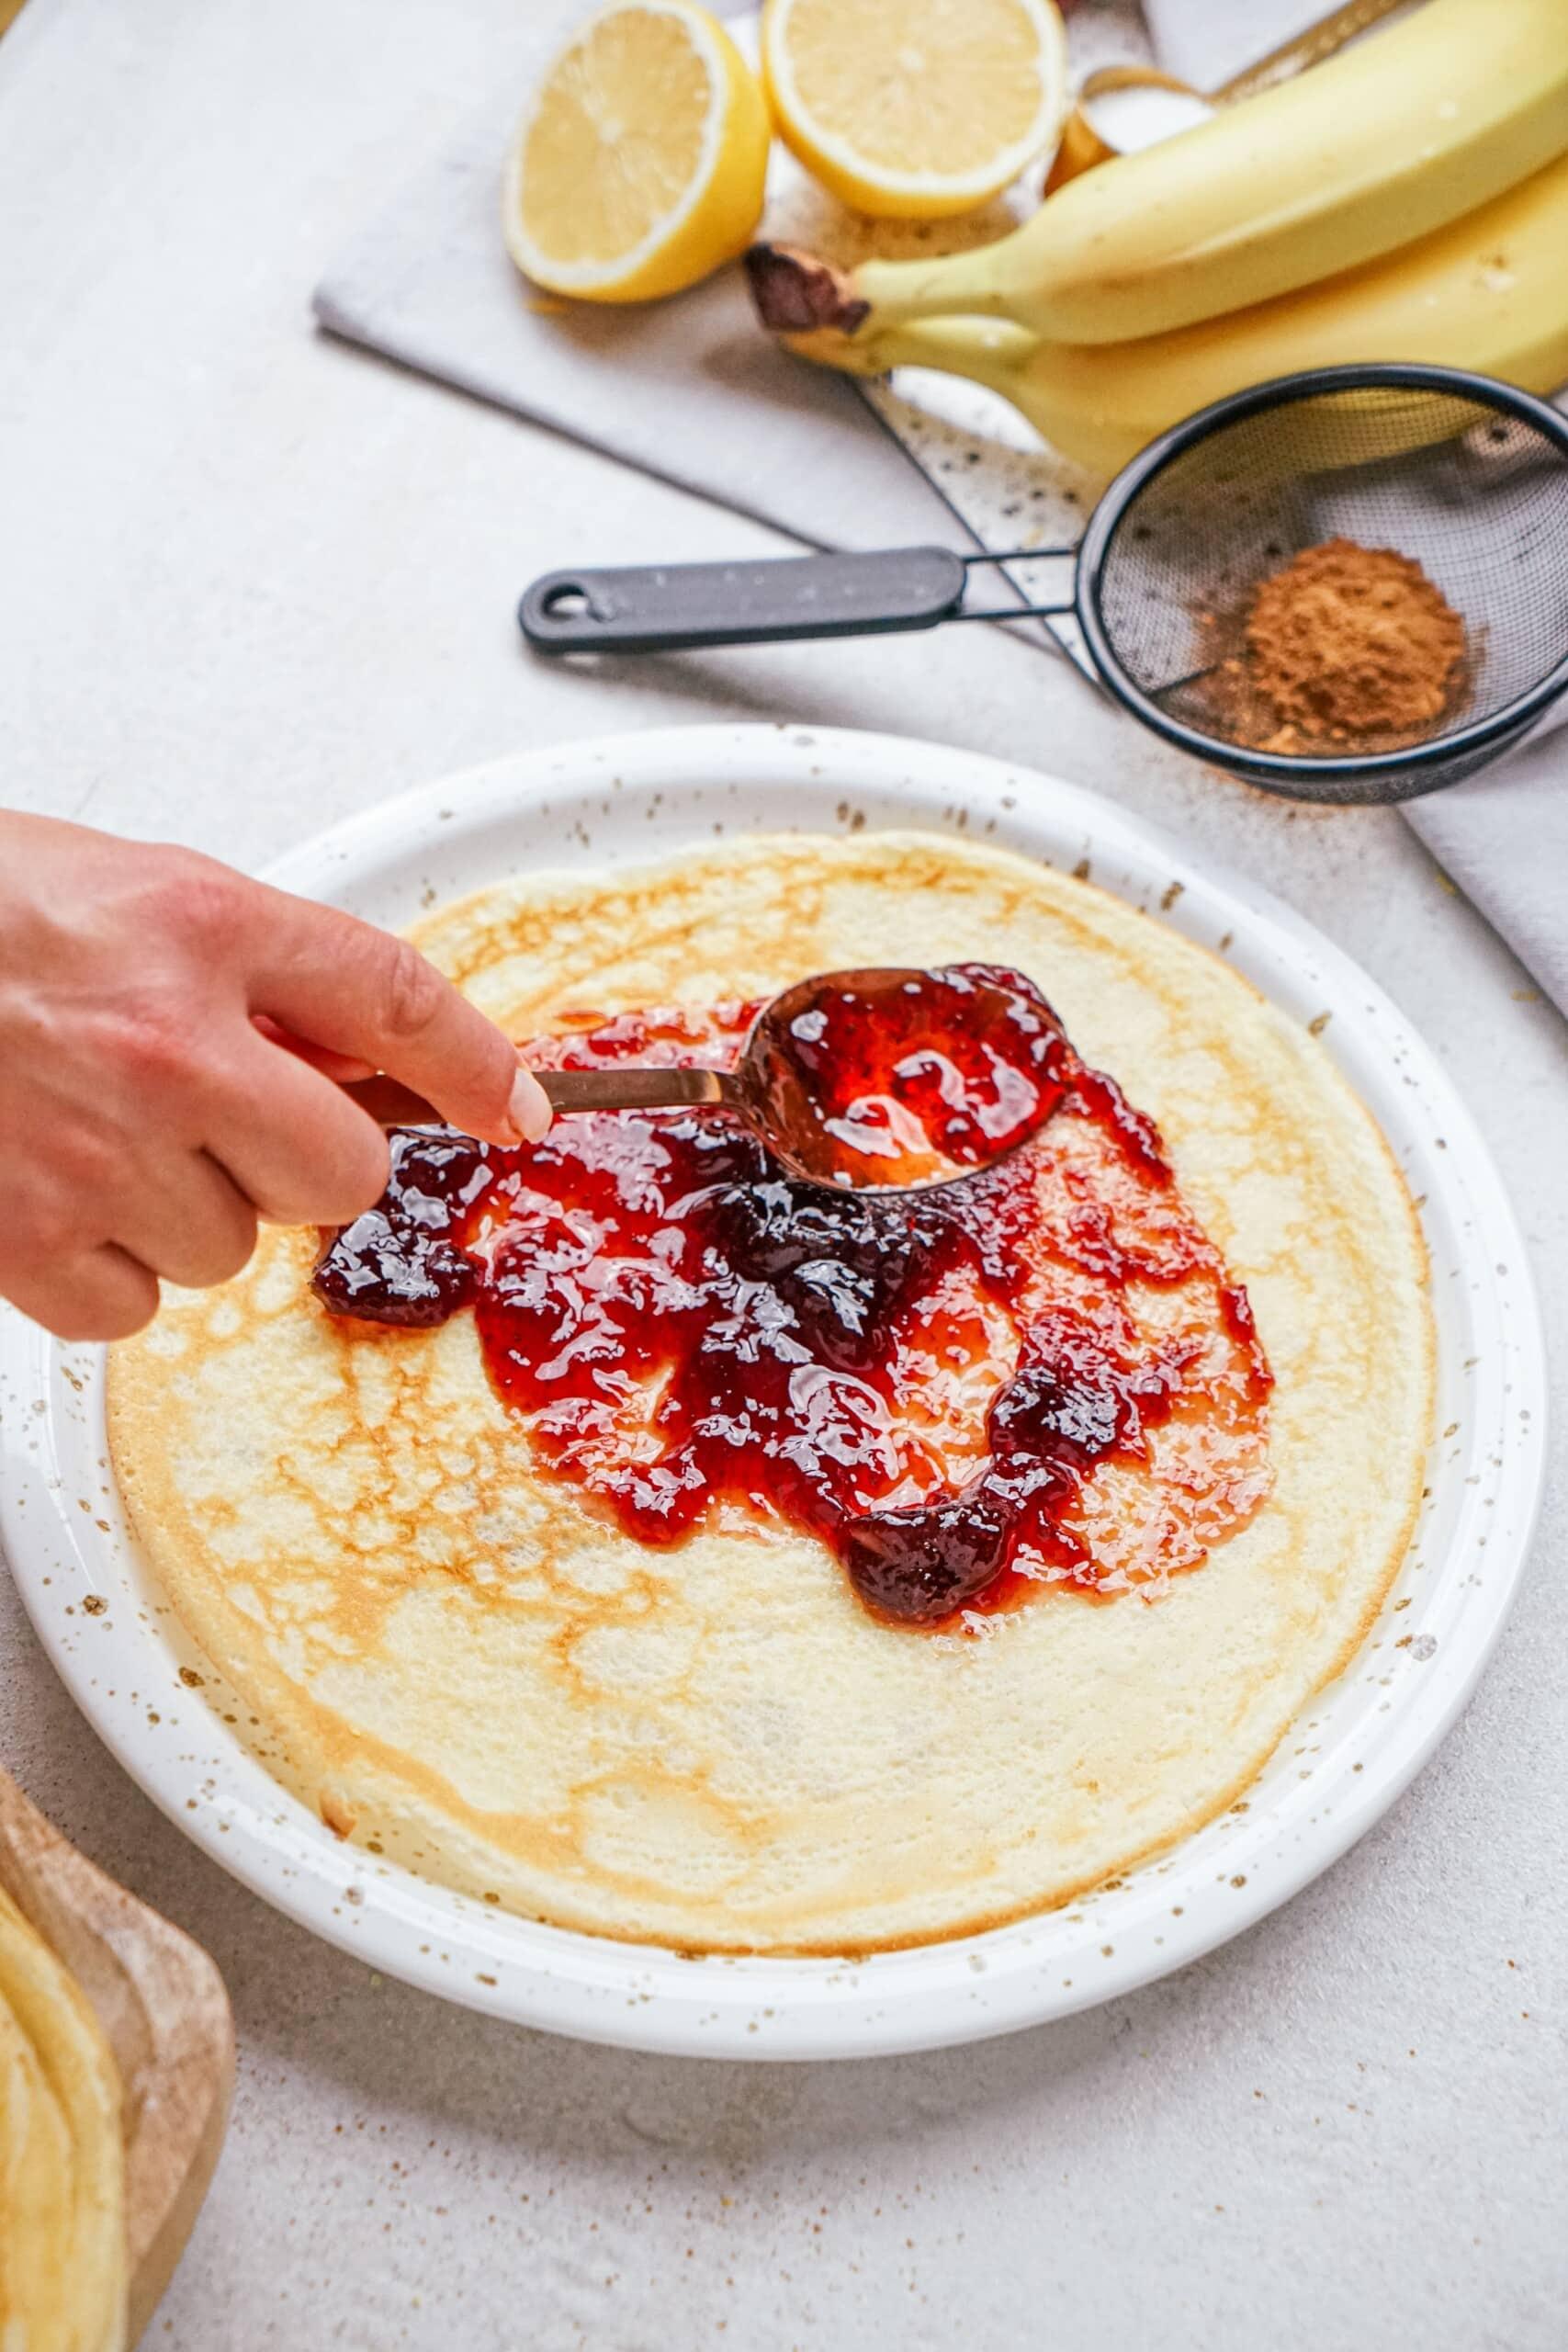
(1466,477)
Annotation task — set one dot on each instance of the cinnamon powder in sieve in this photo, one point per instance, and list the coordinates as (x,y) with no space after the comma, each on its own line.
(1347,640)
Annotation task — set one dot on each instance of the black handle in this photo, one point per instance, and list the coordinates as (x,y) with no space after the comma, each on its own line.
(663,607)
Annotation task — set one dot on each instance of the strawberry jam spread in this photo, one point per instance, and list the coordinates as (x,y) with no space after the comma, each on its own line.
(1037,1375)
(898,1077)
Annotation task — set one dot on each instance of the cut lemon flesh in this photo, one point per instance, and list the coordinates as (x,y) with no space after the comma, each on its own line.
(639,163)
(916,110)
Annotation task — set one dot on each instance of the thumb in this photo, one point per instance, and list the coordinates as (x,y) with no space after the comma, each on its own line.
(344,986)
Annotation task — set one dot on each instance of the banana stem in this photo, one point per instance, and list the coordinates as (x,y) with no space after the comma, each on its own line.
(797,292)
(949,286)
(988,351)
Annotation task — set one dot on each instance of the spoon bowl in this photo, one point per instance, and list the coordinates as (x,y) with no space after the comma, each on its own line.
(892,1078)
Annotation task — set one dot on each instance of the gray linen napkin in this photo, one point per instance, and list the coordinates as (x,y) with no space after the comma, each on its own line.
(1503,838)
(687,390)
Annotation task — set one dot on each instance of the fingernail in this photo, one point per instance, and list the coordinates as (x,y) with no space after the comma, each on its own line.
(529,1107)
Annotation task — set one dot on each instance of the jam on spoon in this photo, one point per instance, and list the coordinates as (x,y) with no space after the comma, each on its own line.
(895,1079)
(936,1384)
(880,1080)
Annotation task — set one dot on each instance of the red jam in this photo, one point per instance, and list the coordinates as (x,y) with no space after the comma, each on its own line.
(1037,1375)
(906,1077)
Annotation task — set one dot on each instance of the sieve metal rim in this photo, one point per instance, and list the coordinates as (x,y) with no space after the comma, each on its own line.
(1285,771)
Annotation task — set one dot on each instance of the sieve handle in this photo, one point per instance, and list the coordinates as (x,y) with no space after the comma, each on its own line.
(664,607)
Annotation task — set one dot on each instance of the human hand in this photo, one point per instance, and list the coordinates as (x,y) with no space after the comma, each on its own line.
(170,1039)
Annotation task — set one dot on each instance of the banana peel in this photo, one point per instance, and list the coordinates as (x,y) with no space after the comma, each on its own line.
(1488,293)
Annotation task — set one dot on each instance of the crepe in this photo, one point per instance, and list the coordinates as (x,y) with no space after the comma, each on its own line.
(466,1667)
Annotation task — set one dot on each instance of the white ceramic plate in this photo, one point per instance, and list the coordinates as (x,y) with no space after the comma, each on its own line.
(1357,1747)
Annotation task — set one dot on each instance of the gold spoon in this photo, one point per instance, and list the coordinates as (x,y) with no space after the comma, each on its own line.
(1084,144)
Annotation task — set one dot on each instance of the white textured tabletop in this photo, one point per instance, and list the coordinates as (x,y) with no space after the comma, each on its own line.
(249,583)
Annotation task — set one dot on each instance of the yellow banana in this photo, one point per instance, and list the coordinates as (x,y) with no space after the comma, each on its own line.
(1488,293)
(1410,128)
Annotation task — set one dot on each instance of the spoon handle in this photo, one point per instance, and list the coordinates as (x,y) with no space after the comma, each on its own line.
(393,1105)
(637,1090)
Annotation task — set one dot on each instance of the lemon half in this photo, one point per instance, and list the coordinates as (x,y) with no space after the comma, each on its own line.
(640,164)
(916,110)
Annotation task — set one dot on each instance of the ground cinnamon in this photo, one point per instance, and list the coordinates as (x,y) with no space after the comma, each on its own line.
(1347,640)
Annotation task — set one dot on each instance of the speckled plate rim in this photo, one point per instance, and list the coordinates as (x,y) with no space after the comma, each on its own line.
(1358,1745)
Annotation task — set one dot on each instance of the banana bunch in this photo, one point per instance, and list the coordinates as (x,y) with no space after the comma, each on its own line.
(62,2259)
(1408,200)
